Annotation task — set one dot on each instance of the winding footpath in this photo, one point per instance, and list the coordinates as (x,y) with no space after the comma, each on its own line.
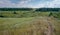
(49,23)
(50,28)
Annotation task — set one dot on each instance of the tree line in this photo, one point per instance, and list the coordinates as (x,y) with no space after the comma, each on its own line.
(30,9)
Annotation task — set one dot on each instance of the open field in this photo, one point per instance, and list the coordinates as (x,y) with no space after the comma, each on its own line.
(25,14)
(29,22)
(20,14)
(28,26)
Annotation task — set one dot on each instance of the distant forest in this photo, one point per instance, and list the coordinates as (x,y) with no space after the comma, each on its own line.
(15,9)
(29,9)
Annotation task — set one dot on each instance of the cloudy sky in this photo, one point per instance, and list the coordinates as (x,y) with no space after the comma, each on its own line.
(29,3)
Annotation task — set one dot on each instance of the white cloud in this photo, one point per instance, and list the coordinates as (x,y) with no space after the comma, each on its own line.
(52,4)
(24,3)
(6,3)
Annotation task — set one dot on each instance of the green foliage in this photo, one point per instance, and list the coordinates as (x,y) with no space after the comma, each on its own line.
(50,13)
(56,15)
(1,16)
(14,12)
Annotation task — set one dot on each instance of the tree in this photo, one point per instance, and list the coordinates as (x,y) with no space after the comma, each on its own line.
(50,14)
(14,12)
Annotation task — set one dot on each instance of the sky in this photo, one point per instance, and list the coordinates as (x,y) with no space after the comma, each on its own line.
(29,3)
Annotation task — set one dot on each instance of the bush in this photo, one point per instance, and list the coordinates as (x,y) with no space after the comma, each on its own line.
(14,13)
(2,16)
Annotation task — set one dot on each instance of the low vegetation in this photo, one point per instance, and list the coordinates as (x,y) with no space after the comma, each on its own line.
(29,22)
(28,26)
(21,14)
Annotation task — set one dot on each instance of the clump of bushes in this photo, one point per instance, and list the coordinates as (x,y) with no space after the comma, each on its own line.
(14,12)
(1,16)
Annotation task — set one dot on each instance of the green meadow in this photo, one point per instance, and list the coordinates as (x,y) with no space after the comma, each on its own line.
(28,22)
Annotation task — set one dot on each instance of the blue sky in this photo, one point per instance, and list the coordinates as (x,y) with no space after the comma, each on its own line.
(29,3)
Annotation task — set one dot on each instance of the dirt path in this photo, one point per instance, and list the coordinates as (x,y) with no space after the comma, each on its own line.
(49,24)
(50,28)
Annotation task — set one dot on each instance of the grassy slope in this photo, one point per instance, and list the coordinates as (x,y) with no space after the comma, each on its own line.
(26,26)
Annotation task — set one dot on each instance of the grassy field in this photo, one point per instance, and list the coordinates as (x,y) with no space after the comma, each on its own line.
(25,14)
(28,22)
(28,26)
(20,14)
(8,26)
